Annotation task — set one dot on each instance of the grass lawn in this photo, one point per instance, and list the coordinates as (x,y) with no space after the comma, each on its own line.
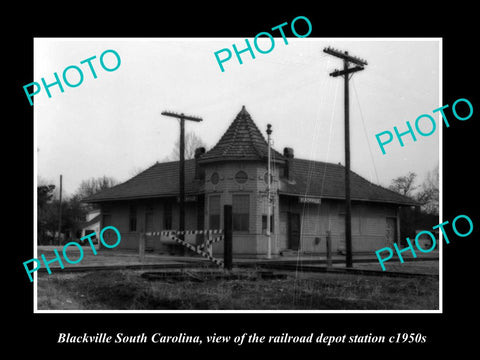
(127,290)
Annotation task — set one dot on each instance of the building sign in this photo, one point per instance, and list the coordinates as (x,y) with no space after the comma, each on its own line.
(309,200)
(188,198)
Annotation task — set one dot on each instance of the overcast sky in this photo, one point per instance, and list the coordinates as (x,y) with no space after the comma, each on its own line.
(113,125)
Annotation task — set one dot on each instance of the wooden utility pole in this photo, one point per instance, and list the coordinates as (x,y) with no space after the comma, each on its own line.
(182,118)
(269,200)
(227,237)
(60,212)
(347,59)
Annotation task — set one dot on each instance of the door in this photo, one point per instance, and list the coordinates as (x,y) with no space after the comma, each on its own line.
(293,231)
(391,231)
(150,242)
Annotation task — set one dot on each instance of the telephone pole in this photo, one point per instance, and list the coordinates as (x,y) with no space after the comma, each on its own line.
(347,59)
(60,213)
(269,184)
(182,118)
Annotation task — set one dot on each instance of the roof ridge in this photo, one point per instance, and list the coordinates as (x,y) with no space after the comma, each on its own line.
(250,130)
(242,140)
(235,131)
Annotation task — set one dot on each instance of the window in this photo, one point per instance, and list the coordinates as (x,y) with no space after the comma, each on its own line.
(355,224)
(214,212)
(265,178)
(214,178)
(167,216)
(240,212)
(94,237)
(241,177)
(264,224)
(132,224)
(149,218)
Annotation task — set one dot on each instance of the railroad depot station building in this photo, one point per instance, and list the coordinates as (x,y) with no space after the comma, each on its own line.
(308,200)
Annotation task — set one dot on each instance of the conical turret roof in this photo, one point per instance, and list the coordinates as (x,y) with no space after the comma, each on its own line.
(242,141)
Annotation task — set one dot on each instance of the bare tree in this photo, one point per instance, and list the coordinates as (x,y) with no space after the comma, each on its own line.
(93,185)
(404,184)
(428,194)
(192,142)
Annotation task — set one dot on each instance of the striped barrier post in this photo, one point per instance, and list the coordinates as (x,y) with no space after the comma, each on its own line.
(172,234)
(209,246)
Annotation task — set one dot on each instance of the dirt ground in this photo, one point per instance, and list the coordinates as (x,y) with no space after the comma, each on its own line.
(104,283)
(128,290)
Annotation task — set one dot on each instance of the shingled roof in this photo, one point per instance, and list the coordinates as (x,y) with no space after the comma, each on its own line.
(159,180)
(307,178)
(242,141)
(327,180)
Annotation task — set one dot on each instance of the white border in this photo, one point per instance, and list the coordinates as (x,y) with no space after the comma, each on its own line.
(439,311)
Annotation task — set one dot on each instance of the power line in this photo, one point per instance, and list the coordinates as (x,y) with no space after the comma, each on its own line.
(314,146)
(310,165)
(365,132)
(329,138)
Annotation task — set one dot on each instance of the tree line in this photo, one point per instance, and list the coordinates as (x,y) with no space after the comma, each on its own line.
(426,194)
(74,211)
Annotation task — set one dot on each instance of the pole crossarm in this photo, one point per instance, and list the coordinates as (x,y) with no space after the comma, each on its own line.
(349,71)
(182,116)
(344,55)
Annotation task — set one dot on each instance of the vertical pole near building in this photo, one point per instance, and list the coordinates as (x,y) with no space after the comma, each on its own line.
(347,59)
(141,247)
(329,249)
(181,224)
(60,213)
(181,166)
(348,203)
(227,237)
(269,178)
(397,222)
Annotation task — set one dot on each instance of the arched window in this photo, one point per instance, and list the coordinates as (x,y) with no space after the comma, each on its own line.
(214,178)
(265,178)
(241,177)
